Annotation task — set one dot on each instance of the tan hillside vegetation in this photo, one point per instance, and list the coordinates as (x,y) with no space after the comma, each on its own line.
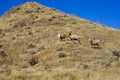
(31,49)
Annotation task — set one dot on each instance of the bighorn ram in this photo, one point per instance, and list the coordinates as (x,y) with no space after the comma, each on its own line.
(64,36)
(75,37)
(94,43)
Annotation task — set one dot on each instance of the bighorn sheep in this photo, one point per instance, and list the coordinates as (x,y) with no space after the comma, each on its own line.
(64,36)
(75,37)
(94,43)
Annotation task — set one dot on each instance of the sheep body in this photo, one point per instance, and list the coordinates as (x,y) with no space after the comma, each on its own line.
(94,43)
(75,37)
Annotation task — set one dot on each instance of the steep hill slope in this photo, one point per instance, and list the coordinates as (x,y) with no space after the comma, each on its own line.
(30,48)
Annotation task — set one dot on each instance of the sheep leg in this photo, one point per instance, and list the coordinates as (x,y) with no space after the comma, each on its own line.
(94,46)
(79,41)
(98,46)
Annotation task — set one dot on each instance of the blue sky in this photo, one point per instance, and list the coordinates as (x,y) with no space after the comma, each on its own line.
(105,12)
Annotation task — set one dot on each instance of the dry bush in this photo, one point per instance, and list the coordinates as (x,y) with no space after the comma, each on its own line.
(31,46)
(50,19)
(38,8)
(41,48)
(20,24)
(29,11)
(116,53)
(47,66)
(30,33)
(2,53)
(5,71)
(60,48)
(106,64)
(1,45)
(1,31)
(62,55)
(81,66)
(33,60)
(14,9)
(42,11)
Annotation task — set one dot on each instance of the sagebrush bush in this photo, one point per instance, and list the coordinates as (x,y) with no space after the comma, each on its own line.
(33,61)
(62,55)
(2,53)
(20,23)
(116,53)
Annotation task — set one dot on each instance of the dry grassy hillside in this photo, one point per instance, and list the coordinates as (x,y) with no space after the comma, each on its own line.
(30,48)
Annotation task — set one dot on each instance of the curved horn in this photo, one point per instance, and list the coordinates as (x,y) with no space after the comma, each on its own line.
(59,35)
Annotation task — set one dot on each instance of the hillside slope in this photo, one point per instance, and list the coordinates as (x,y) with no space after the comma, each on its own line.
(30,48)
